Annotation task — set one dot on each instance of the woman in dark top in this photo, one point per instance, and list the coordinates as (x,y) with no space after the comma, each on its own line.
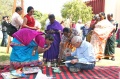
(4,31)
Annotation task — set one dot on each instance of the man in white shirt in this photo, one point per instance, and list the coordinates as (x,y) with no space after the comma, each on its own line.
(16,18)
(85,58)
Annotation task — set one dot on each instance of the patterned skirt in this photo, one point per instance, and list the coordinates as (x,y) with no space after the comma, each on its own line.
(22,55)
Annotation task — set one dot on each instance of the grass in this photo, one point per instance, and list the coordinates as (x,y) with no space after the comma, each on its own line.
(4,57)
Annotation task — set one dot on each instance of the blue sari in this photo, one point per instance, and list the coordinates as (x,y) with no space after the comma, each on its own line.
(24,48)
(22,55)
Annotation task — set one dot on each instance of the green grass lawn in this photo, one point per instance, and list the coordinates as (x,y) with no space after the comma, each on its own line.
(4,57)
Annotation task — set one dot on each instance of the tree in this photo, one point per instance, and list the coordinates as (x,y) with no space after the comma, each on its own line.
(41,18)
(6,8)
(75,10)
(37,15)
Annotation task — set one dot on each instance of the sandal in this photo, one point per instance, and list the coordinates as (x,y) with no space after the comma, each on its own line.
(106,57)
(113,59)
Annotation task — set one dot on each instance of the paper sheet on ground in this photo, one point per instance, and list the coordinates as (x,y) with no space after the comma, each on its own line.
(78,62)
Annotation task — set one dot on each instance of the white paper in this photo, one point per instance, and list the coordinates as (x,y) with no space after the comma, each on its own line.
(67,61)
(78,62)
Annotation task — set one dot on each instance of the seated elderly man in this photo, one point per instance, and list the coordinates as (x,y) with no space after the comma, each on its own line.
(83,58)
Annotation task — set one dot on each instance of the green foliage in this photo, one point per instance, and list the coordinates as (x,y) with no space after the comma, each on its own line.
(5,8)
(37,15)
(75,10)
(41,18)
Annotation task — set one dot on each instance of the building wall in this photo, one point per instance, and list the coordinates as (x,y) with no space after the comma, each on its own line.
(107,6)
(113,6)
(117,12)
(97,5)
(110,6)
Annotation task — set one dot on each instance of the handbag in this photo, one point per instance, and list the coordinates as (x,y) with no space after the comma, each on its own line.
(88,36)
(11,29)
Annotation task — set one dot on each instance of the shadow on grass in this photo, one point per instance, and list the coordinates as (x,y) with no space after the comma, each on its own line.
(4,58)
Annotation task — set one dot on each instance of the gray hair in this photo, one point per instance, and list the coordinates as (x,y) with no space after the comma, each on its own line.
(76,39)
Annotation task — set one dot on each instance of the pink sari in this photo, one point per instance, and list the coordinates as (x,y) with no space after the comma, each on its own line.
(99,37)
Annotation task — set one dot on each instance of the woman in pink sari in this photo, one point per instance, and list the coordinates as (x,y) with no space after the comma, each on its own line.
(26,46)
(101,33)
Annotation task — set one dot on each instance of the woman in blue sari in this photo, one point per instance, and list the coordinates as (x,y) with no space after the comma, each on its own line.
(54,28)
(26,46)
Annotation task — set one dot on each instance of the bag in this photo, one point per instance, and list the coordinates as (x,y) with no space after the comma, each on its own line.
(88,36)
(11,29)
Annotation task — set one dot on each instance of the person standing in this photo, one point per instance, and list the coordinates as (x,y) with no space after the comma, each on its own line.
(78,27)
(17,20)
(100,34)
(85,30)
(62,24)
(110,45)
(4,31)
(73,25)
(94,21)
(54,29)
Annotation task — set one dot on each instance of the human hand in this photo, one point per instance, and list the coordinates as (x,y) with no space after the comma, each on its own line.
(59,31)
(33,53)
(52,31)
(35,28)
(69,39)
(74,61)
(49,46)
(110,35)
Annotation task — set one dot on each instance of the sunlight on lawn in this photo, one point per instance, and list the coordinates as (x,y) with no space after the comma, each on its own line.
(105,62)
